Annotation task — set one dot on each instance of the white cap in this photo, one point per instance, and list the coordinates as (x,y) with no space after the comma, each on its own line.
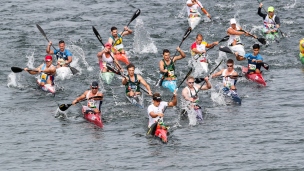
(232,21)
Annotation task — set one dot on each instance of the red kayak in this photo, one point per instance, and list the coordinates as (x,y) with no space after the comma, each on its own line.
(158,129)
(258,78)
(123,58)
(92,117)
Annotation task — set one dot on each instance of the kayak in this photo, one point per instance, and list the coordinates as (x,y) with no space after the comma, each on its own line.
(272,36)
(158,129)
(170,84)
(194,115)
(107,76)
(228,93)
(92,117)
(193,21)
(47,87)
(200,62)
(63,73)
(137,100)
(301,57)
(258,78)
(123,58)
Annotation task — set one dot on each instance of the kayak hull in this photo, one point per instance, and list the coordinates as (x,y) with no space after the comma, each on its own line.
(92,117)
(161,132)
(123,58)
(194,21)
(107,76)
(137,101)
(232,94)
(200,63)
(301,58)
(47,87)
(170,84)
(258,78)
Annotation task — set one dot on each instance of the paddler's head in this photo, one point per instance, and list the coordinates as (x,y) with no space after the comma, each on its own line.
(230,64)
(190,81)
(94,87)
(233,23)
(270,12)
(131,69)
(256,49)
(199,39)
(166,54)
(114,31)
(108,46)
(48,60)
(156,99)
(61,45)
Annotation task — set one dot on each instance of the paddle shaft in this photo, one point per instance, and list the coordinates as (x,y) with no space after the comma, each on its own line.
(184,38)
(273,21)
(64,107)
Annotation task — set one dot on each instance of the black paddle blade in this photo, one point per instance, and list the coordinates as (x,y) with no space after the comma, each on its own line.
(74,70)
(152,129)
(111,68)
(136,14)
(97,35)
(16,69)
(262,40)
(224,39)
(64,107)
(266,66)
(225,49)
(187,33)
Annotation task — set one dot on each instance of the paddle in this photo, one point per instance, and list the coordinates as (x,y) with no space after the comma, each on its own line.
(208,76)
(64,107)
(109,66)
(17,69)
(73,70)
(135,15)
(227,50)
(261,40)
(160,81)
(205,11)
(100,40)
(189,72)
(283,34)
(222,40)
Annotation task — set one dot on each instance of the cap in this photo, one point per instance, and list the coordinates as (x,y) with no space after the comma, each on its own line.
(94,84)
(156,96)
(270,9)
(108,45)
(48,58)
(232,21)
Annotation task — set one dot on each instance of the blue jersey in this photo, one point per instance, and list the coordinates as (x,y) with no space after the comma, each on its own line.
(253,65)
(64,55)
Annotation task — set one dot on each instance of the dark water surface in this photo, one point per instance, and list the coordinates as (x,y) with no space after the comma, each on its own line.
(264,133)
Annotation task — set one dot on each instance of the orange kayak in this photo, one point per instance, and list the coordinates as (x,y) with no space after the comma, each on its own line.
(123,58)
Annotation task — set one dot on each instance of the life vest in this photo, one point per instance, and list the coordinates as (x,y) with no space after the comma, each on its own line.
(170,68)
(133,86)
(269,23)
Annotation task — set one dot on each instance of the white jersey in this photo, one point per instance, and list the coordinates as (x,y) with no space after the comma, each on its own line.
(93,103)
(194,8)
(269,23)
(192,93)
(237,38)
(107,60)
(155,109)
(228,82)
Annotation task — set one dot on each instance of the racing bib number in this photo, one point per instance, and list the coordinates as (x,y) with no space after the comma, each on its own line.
(91,104)
(43,76)
(251,66)
(171,73)
(61,61)
(193,10)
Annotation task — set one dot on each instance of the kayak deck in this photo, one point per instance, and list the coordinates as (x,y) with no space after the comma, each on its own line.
(92,117)
(258,78)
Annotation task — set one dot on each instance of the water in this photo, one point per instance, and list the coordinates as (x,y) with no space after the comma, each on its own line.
(264,133)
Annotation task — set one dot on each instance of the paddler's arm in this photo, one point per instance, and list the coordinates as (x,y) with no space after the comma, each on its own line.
(206,12)
(212,44)
(81,97)
(69,61)
(231,31)
(181,56)
(99,54)
(124,80)
(161,67)
(117,63)
(217,74)
(185,94)
(33,72)
(126,31)
(277,21)
(154,115)
(208,85)
(48,48)
(50,70)
(110,40)
(143,82)
(174,101)
(260,12)
(197,51)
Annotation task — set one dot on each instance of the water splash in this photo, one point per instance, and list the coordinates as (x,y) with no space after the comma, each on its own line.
(78,54)
(31,60)
(142,40)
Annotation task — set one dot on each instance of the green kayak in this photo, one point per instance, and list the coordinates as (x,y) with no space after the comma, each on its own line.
(107,76)
(301,57)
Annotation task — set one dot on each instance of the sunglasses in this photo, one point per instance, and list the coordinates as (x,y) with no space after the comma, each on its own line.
(191,82)
(94,87)
(229,65)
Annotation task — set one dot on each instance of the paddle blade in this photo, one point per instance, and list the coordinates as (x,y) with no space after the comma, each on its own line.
(64,107)
(266,66)
(262,40)
(186,34)
(74,70)
(224,39)
(97,35)
(136,14)
(225,49)
(16,69)
(152,129)
(111,68)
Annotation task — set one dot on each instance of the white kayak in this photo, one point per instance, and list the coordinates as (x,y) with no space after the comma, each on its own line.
(200,62)
(63,73)
(106,76)
(47,87)
(137,100)
(193,21)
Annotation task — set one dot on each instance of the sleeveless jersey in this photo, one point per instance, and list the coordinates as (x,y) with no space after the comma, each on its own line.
(228,82)
(237,38)
(170,68)
(134,86)
(269,23)
(93,103)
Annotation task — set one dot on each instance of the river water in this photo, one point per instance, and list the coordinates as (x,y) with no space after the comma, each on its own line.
(264,133)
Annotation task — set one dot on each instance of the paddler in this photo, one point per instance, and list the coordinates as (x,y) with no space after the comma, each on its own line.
(132,82)
(192,9)
(254,60)
(271,21)
(199,46)
(229,77)
(167,67)
(116,39)
(93,104)
(64,56)
(156,109)
(46,70)
(301,47)
(189,93)
(234,41)
(105,57)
